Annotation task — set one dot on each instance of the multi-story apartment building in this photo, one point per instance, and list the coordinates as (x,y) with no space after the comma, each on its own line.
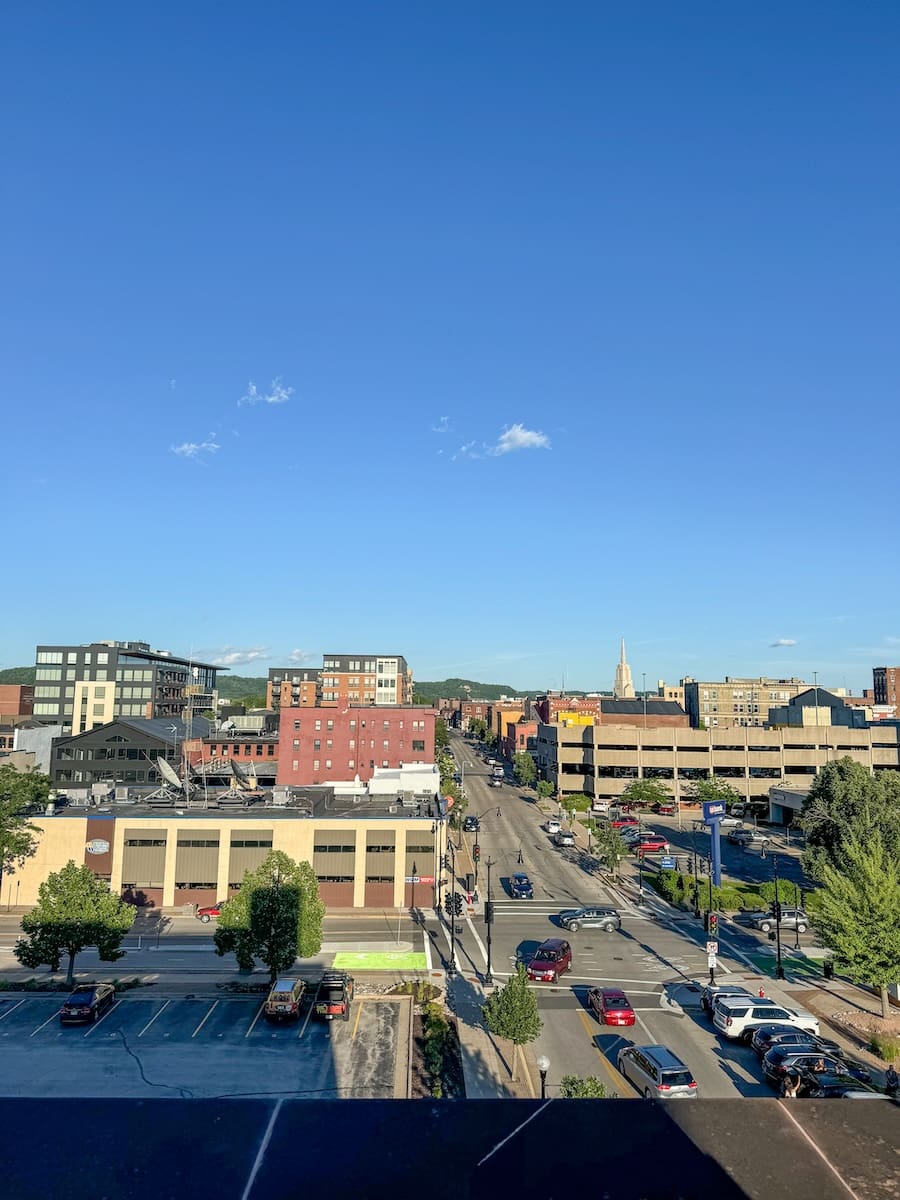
(365,679)
(602,760)
(293,687)
(320,745)
(731,702)
(79,687)
(886,684)
(474,710)
(669,691)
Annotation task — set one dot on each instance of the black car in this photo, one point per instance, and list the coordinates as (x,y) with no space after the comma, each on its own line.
(520,886)
(87,1003)
(779,1034)
(802,1060)
(471,825)
(837,1087)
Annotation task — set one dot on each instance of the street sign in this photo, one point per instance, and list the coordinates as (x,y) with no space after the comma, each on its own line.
(667,862)
(413,879)
(713,809)
(710,960)
(712,947)
(425,879)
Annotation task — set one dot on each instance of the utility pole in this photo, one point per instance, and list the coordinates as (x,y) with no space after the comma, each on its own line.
(489,920)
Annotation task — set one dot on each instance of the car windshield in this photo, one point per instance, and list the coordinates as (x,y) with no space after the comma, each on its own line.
(81,997)
(545,956)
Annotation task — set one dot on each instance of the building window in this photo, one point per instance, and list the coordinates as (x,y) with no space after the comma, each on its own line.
(418,745)
(251,843)
(318,725)
(199,843)
(296,726)
(295,765)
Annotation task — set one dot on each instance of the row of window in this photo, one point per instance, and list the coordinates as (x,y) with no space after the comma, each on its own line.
(233,749)
(418,745)
(417,725)
(206,843)
(351,764)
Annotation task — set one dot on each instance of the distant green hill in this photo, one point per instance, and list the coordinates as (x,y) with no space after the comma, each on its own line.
(235,687)
(17,675)
(458,687)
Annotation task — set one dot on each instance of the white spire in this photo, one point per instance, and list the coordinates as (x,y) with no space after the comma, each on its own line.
(623,688)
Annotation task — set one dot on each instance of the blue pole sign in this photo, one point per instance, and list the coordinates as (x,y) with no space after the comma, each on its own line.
(713,811)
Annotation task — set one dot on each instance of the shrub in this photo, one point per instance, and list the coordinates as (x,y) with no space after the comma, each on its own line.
(885,1046)
(729,899)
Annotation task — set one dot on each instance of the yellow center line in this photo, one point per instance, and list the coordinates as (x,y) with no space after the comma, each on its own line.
(590,1030)
(356,1022)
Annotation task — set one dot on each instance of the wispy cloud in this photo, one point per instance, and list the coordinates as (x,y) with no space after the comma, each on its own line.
(300,658)
(195,449)
(277,393)
(229,656)
(443,426)
(465,451)
(783,642)
(517,437)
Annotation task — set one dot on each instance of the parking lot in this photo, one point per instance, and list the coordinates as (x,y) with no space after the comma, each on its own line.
(209,1047)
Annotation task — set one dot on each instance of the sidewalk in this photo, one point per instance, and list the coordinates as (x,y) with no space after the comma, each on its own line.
(486,1063)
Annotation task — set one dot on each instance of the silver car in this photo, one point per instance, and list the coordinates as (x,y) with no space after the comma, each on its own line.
(791,918)
(563,837)
(657,1073)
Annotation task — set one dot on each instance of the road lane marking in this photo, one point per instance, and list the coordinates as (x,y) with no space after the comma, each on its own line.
(356,1022)
(205,1019)
(47,1022)
(255,1019)
(153,1018)
(13,1009)
(591,1030)
(111,1008)
(309,1012)
(474,933)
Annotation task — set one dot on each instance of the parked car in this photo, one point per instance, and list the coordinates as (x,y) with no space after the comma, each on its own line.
(552,825)
(335,995)
(650,843)
(595,917)
(283,1002)
(712,992)
(766,1036)
(631,833)
(209,911)
(730,822)
(87,1003)
(825,1086)
(736,1017)
(564,837)
(664,810)
(551,959)
(791,918)
(622,821)
(520,886)
(610,1006)
(793,1060)
(657,1073)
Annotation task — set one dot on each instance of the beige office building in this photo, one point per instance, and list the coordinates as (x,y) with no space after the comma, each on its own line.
(601,760)
(735,702)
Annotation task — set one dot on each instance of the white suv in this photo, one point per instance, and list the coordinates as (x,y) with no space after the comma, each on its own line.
(737,1016)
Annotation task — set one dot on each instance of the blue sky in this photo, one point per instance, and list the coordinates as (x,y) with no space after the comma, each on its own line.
(485,334)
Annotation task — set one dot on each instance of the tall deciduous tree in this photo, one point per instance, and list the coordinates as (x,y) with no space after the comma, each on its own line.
(276,916)
(524,768)
(545,789)
(844,798)
(708,791)
(646,792)
(75,909)
(512,1013)
(611,847)
(856,912)
(21,792)
(441,736)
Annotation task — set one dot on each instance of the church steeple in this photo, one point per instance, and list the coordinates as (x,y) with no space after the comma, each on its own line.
(623,688)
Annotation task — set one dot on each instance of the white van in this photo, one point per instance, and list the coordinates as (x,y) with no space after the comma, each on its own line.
(600,808)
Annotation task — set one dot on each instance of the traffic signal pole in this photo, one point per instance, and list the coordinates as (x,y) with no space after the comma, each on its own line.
(779,969)
(489,920)
(451,970)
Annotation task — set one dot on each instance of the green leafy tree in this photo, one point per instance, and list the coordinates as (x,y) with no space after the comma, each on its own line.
(511,1012)
(255,700)
(490,738)
(75,909)
(845,799)
(576,1087)
(545,789)
(646,792)
(276,916)
(610,846)
(441,735)
(856,910)
(578,802)
(524,769)
(478,726)
(709,790)
(21,792)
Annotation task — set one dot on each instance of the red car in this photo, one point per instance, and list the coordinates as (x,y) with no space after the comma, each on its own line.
(624,822)
(651,843)
(211,910)
(611,1006)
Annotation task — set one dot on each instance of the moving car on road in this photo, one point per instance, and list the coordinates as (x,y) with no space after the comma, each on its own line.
(209,911)
(611,1006)
(657,1073)
(712,992)
(87,1004)
(552,825)
(748,837)
(551,959)
(791,918)
(594,917)
(471,825)
(766,1036)
(520,886)
(564,837)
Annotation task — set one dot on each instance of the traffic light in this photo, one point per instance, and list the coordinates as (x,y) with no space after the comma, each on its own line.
(712,924)
(448,904)
(457,904)
(488,912)
(476,852)
(445,862)
(776,913)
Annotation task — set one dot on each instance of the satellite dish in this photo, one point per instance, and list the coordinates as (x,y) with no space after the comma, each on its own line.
(168,774)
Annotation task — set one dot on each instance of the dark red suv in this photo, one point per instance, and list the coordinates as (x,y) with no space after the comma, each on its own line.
(551,959)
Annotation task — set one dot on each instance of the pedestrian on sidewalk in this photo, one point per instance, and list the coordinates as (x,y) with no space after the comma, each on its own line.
(498,810)
(891,1081)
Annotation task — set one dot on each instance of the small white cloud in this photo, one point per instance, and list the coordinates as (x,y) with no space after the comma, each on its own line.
(172,383)
(465,451)
(228,656)
(300,658)
(277,393)
(783,642)
(195,449)
(517,437)
(443,426)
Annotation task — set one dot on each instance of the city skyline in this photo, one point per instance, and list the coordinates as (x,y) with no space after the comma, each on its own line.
(370,328)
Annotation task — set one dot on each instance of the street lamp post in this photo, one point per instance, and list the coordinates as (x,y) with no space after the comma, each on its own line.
(543,1066)
(779,969)
(488,913)
(644,679)
(413,895)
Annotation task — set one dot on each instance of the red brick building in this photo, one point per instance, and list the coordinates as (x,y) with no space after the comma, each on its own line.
(16,701)
(474,710)
(886,681)
(318,745)
(517,736)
